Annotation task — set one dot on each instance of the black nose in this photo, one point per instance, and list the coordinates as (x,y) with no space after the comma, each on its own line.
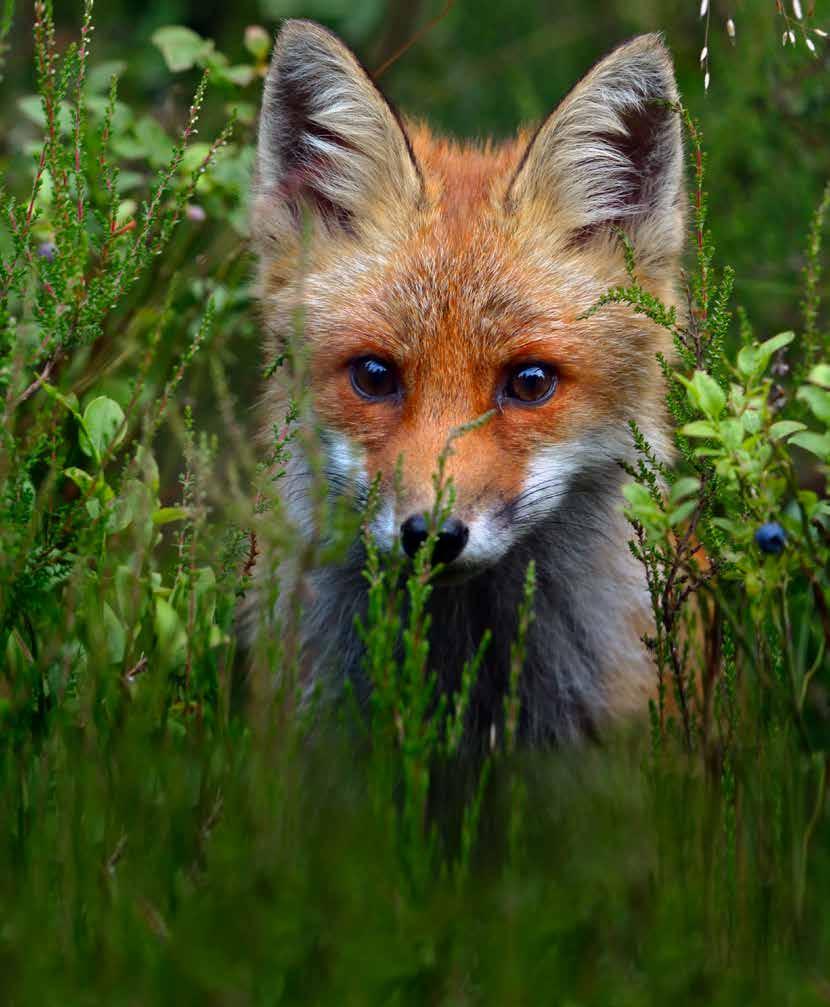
(450,543)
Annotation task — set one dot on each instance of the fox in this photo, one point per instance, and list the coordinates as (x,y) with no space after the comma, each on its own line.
(440,280)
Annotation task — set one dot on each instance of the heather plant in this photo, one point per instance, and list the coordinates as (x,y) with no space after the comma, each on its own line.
(181,821)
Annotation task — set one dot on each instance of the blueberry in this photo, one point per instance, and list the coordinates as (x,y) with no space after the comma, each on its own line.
(47,250)
(771,538)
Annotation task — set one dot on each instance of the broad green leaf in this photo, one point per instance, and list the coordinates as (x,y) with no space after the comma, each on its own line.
(83,480)
(152,141)
(728,525)
(820,375)
(102,427)
(748,359)
(699,428)
(754,359)
(240,74)
(69,402)
(784,428)
(181,47)
(710,394)
(122,512)
(204,590)
(116,636)
(683,488)
(751,420)
(129,592)
(99,76)
(193,156)
(147,466)
(170,633)
(816,444)
(731,432)
(637,495)
(165,515)
(775,344)
(818,400)
(681,513)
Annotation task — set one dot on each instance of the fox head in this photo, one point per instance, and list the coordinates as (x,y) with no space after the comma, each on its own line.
(441,281)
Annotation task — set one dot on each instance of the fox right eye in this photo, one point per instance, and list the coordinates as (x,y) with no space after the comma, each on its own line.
(373,378)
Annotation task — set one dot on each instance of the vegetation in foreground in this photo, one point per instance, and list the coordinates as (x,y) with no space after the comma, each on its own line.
(172,829)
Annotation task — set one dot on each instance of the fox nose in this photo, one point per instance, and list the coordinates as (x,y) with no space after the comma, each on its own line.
(450,542)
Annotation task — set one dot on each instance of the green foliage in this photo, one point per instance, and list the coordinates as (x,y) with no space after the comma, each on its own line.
(735,513)
(175,829)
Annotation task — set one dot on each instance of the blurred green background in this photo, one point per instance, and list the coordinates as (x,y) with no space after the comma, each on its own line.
(488,65)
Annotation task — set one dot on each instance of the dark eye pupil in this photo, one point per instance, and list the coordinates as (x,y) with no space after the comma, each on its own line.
(374,378)
(531,383)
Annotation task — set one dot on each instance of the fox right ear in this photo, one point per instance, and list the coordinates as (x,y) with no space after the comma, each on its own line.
(329,141)
(612,155)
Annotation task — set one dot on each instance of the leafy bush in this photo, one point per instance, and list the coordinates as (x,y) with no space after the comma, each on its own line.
(175,828)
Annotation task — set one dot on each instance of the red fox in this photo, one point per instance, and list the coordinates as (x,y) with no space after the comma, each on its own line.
(439,280)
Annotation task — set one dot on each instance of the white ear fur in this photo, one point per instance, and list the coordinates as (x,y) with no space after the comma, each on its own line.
(327,137)
(612,152)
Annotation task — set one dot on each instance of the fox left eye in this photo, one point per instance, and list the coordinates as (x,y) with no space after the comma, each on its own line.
(373,378)
(531,384)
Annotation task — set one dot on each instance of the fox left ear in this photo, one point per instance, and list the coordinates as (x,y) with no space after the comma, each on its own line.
(612,154)
(329,142)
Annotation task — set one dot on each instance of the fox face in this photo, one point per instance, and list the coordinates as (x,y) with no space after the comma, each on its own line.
(440,283)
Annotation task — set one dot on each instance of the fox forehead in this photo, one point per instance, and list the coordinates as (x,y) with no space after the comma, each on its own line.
(461,266)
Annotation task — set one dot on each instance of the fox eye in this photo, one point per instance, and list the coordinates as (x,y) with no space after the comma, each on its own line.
(374,379)
(531,384)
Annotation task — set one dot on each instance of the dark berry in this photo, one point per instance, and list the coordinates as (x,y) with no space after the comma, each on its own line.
(771,538)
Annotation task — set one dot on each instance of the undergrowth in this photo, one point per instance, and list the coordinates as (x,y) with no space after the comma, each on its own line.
(174,827)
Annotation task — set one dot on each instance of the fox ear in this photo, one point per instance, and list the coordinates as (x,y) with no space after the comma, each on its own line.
(612,153)
(328,139)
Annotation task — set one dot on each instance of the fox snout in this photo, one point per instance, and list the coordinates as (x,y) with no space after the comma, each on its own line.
(449,544)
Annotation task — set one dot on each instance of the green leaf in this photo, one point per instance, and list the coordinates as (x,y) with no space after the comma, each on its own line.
(69,402)
(102,427)
(683,488)
(728,525)
(98,77)
(818,400)
(751,420)
(116,636)
(147,466)
(165,515)
(711,396)
(181,47)
(170,633)
(784,428)
(820,375)
(775,344)
(152,141)
(753,360)
(204,590)
(240,74)
(83,480)
(129,592)
(681,513)
(699,428)
(816,444)
(637,495)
